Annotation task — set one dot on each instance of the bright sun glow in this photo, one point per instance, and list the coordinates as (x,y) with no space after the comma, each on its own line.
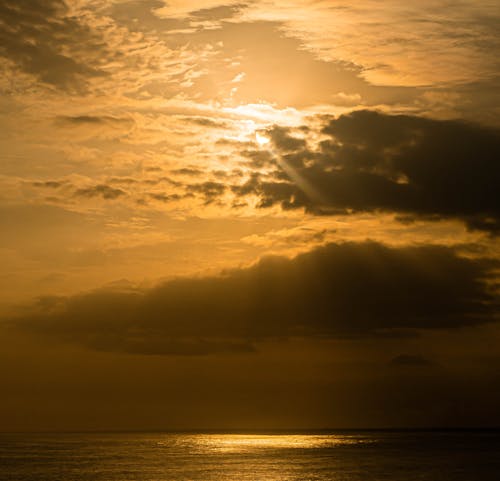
(261,139)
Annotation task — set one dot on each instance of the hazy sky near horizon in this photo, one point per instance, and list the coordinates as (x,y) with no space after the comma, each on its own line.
(259,214)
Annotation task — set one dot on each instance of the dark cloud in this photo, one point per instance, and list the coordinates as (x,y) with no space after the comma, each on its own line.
(100,190)
(190,171)
(268,191)
(82,119)
(284,141)
(123,180)
(210,190)
(206,122)
(94,120)
(258,158)
(217,13)
(51,184)
(225,174)
(36,35)
(138,15)
(337,291)
(413,166)
(161,197)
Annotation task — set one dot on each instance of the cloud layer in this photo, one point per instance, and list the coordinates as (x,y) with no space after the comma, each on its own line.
(336,291)
(42,39)
(416,43)
(370,161)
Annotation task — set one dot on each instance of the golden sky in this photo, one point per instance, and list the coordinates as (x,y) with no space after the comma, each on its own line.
(249,214)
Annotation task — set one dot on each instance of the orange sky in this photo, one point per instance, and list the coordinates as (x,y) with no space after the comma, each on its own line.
(162,166)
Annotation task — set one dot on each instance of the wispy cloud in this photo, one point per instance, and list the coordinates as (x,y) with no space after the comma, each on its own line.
(417,43)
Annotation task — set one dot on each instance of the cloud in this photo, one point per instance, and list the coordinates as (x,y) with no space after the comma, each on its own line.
(161,197)
(105,127)
(351,290)
(100,190)
(38,35)
(284,141)
(414,44)
(214,13)
(206,122)
(210,190)
(369,161)
(80,47)
(97,120)
(188,171)
(202,9)
(51,184)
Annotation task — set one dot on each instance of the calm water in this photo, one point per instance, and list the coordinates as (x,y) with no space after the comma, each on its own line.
(373,456)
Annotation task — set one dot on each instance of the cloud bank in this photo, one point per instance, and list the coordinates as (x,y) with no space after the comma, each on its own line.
(337,291)
(370,161)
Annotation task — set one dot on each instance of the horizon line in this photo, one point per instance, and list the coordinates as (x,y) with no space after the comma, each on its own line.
(276,431)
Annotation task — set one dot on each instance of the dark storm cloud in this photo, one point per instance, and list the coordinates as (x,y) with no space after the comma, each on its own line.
(337,291)
(100,190)
(36,36)
(394,163)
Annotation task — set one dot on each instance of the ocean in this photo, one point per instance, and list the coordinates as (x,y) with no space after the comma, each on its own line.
(332,456)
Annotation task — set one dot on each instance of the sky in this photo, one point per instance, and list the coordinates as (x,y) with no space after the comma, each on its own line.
(249,214)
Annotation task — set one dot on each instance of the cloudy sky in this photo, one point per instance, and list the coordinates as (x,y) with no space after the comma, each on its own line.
(249,214)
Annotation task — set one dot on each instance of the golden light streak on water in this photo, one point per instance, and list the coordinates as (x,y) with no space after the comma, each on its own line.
(242,443)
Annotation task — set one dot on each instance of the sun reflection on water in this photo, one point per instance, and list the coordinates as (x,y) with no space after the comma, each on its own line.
(253,442)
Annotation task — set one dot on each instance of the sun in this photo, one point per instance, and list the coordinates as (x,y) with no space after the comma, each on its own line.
(261,139)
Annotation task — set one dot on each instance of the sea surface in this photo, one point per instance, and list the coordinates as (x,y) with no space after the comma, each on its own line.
(335,456)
